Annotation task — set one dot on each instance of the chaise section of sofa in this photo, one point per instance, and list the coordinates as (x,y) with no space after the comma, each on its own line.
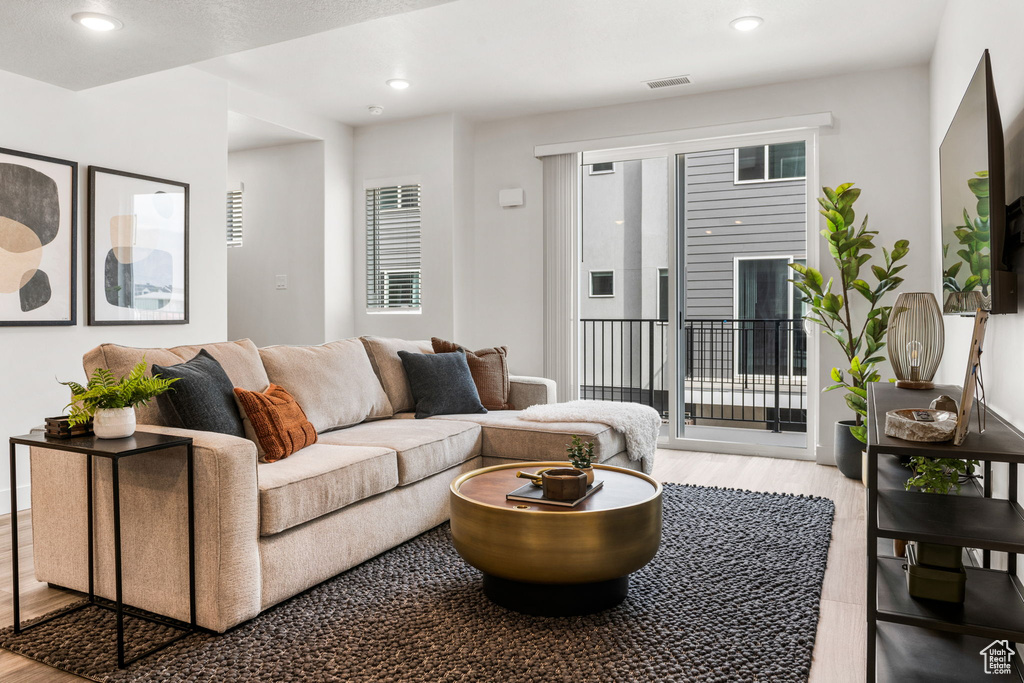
(267,531)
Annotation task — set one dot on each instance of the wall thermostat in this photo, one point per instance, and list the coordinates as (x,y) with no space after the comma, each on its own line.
(507,198)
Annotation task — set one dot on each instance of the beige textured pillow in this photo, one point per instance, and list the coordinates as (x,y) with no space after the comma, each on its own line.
(240,360)
(383,353)
(334,382)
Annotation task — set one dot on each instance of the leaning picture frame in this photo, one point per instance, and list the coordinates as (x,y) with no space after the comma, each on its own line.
(138,271)
(38,240)
(972,380)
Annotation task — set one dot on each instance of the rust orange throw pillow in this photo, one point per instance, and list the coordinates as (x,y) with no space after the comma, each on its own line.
(280,425)
(489,369)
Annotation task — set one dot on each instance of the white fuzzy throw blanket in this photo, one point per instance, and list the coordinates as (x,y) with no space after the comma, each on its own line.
(640,424)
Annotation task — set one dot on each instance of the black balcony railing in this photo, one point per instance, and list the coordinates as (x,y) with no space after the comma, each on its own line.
(742,372)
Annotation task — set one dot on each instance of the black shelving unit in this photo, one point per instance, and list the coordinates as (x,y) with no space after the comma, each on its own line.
(923,640)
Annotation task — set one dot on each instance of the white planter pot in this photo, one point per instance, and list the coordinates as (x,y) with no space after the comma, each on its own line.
(114,423)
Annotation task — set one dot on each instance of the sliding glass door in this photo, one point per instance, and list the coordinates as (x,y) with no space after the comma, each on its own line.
(685,303)
(624,307)
(741,220)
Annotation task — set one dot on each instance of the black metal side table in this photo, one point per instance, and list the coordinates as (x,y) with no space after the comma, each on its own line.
(114,450)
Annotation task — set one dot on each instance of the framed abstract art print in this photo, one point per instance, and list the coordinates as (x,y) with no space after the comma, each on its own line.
(138,249)
(38,239)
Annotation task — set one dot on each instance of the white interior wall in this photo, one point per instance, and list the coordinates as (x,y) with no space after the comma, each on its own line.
(171,125)
(464,225)
(422,150)
(968,28)
(283,219)
(335,258)
(880,140)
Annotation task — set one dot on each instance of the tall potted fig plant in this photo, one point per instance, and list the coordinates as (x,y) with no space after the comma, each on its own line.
(858,329)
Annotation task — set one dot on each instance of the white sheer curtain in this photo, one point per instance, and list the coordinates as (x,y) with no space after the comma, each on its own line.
(561,271)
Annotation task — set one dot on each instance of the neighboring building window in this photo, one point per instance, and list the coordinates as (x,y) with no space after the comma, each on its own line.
(765,163)
(393,268)
(662,293)
(602,168)
(762,290)
(764,295)
(234,225)
(602,283)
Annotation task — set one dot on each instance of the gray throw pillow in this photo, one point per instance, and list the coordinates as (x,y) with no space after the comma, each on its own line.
(441,383)
(203,398)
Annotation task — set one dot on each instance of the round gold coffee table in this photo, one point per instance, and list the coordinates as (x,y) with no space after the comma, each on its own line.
(550,560)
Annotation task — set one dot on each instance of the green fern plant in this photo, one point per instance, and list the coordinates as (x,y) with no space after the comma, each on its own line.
(581,453)
(103,390)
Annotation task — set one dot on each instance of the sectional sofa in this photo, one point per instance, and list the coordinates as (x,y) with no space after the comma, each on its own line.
(267,531)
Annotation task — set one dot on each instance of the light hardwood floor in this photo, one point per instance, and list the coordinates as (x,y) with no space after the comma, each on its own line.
(839,651)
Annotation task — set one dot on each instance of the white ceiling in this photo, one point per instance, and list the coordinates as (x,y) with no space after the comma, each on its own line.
(39,40)
(495,58)
(248,132)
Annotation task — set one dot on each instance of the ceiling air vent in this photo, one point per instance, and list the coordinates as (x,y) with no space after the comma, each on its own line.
(668,82)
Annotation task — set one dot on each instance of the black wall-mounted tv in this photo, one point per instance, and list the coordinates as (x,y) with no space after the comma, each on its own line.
(976,266)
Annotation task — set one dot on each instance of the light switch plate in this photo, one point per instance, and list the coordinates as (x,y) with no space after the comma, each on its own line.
(282,281)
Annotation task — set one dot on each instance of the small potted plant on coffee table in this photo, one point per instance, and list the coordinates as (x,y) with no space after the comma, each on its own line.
(581,455)
(111,402)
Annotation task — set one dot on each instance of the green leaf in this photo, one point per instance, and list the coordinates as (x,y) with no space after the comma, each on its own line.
(860,433)
(857,403)
(831,194)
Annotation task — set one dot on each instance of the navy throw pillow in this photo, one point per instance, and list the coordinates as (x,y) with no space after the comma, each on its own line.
(441,383)
(203,398)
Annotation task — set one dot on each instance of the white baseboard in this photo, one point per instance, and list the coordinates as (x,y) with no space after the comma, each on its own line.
(24,499)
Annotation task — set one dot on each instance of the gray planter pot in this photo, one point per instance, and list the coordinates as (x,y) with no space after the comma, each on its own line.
(848,449)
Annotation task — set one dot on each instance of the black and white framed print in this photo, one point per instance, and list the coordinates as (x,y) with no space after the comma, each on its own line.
(38,239)
(138,249)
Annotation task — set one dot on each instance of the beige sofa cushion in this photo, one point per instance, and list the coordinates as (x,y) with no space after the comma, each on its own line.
(334,382)
(383,353)
(424,447)
(240,360)
(506,435)
(320,479)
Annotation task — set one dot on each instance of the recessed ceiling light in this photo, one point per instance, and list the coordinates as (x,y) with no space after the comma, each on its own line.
(398,83)
(746,23)
(97,22)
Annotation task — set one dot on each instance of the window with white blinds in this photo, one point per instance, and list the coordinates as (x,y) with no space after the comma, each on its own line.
(234,218)
(393,247)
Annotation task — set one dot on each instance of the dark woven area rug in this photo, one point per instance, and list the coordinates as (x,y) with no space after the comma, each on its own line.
(732,595)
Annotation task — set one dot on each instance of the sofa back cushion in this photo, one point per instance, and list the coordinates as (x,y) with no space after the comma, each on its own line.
(383,353)
(240,360)
(334,382)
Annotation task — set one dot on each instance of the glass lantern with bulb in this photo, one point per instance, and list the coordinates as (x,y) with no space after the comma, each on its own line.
(915,340)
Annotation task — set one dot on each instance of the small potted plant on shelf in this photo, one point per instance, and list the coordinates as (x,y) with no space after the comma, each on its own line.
(110,402)
(581,455)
